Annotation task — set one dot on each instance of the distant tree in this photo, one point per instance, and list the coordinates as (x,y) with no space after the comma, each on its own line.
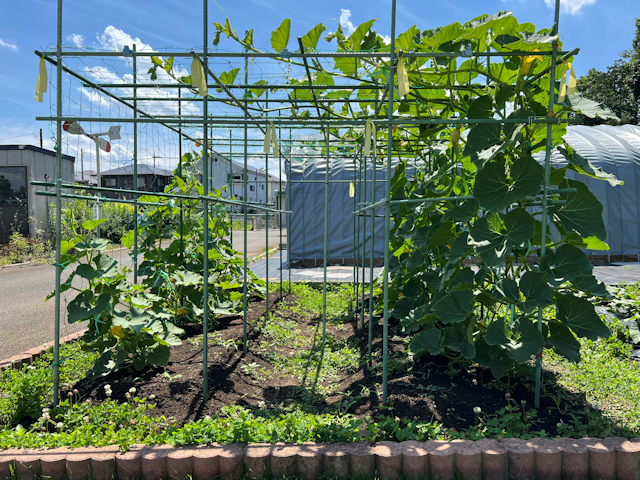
(619,87)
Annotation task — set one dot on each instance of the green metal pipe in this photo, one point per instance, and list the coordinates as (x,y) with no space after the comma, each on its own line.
(106,200)
(363,182)
(181,202)
(257,206)
(135,170)
(245,295)
(364,55)
(319,123)
(545,207)
(56,333)
(373,226)
(387,212)
(205,205)
(266,231)
(325,255)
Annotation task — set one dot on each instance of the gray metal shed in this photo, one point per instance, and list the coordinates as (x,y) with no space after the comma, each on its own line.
(20,165)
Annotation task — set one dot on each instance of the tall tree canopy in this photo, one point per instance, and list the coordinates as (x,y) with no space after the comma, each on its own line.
(619,87)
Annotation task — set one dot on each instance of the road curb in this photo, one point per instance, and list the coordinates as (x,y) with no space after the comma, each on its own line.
(607,459)
(27,357)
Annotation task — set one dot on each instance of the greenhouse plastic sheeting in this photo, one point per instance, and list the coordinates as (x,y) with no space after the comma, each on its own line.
(616,150)
(306,201)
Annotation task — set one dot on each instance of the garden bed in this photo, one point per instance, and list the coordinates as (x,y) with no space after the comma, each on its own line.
(280,372)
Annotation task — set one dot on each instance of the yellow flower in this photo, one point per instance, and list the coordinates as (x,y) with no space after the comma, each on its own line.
(527,63)
(117,332)
(181,311)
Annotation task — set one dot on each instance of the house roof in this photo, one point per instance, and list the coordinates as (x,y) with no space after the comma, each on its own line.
(143,169)
(36,149)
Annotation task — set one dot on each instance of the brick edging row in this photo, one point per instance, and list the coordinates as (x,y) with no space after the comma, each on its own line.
(27,357)
(612,458)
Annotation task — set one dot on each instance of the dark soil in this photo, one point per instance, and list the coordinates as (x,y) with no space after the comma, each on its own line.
(430,389)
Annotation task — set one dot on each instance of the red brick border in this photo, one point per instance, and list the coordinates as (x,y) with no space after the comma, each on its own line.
(26,358)
(607,459)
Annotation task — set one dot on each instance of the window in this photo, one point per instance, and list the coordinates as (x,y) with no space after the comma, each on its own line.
(13,185)
(252,188)
(262,187)
(109,182)
(142,180)
(237,177)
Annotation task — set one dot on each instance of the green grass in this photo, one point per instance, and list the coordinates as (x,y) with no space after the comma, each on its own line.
(606,375)
(23,393)
(340,301)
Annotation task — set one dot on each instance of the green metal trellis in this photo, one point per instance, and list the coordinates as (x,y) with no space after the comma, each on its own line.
(368,206)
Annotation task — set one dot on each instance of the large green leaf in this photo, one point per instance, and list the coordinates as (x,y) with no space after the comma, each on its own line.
(536,291)
(107,267)
(457,338)
(569,262)
(481,107)
(455,306)
(280,36)
(590,243)
(464,212)
(565,344)
(127,240)
(529,344)
(415,318)
(310,40)
(580,316)
(495,192)
(589,284)
(582,165)
(507,289)
(78,308)
(482,137)
(493,238)
(359,34)
(429,340)
(492,357)
(496,333)
(92,224)
(589,108)
(459,247)
(159,356)
(406,40)
(582,212)
(445,233)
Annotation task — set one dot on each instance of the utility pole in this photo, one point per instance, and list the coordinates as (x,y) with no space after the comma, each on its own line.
(82,163)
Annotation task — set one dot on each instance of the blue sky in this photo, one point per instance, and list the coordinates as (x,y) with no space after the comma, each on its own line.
(601,28)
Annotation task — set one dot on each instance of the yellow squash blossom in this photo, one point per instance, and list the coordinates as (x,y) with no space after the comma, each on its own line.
(117,332)
(527,63)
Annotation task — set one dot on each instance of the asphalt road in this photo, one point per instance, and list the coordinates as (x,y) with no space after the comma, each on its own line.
(27,321)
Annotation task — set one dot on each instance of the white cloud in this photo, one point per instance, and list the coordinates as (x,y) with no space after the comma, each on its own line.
(348,27)
(10,46)
(572,7)
(76,39)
